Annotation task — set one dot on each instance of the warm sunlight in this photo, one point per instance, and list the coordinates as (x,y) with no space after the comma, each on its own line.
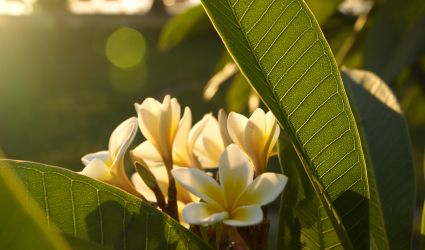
(126,7)
(16,7)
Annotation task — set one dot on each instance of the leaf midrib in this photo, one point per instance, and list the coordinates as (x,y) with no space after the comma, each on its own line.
(316,183)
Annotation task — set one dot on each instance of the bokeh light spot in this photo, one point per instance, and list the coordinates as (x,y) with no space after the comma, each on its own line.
(125,48)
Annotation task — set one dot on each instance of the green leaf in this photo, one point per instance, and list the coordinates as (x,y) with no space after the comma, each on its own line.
(195,20)
(90,210)
(396,39)
(21,219)
(182,26)
(281,50)
(80,244)
(303,221)
(391,172)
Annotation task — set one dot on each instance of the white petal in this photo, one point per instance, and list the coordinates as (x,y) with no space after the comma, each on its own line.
(98,170)
(122,137)
(245,216)
(148,115)
(271,143)
(147,153)
(255,138)
(142,188)
(180,150)
(165,137)
(263,190)
(270,122)
(119,142)
(201,185)
(210,154)
(161,177)
(101,155)
(272,133)
(235,172)
(236,128)
(197,129)
(209,147)
(176,111)
(180,207)
(202,214)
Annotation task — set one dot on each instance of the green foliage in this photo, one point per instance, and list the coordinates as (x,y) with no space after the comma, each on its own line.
(391,171)
(93,211)
(22,225)
(182,26)
(303,222)
(279,47)
(396,39)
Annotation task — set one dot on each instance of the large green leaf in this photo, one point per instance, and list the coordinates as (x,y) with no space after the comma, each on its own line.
(21,220)
(280,48)
(194,19)
(391,172)
(85,208)
(303,221)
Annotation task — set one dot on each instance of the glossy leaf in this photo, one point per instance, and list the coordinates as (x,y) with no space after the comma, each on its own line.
(391,170)
(90,210)
(280,48)
(22,225)
(303,221)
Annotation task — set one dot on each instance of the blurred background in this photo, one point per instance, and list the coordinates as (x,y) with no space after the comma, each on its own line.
(71,70)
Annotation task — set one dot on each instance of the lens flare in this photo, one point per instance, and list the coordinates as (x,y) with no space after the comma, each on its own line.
(125,48)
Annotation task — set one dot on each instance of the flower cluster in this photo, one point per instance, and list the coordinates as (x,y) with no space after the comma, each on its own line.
(177,157)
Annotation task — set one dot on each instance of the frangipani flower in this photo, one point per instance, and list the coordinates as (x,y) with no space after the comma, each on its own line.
(211,144)
(158,123)
(108,165)
(160,173)
(184,142)
(256,136)
(237,200)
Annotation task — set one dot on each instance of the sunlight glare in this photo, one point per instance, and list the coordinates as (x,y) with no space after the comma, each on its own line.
(16,7)
(174,7)
(125,7)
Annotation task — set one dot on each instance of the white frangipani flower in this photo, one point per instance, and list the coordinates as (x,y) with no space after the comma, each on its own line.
(256,136)
(182,149)
(108,165)
(211,144)
(160,173)
(158,123)
(237,200)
